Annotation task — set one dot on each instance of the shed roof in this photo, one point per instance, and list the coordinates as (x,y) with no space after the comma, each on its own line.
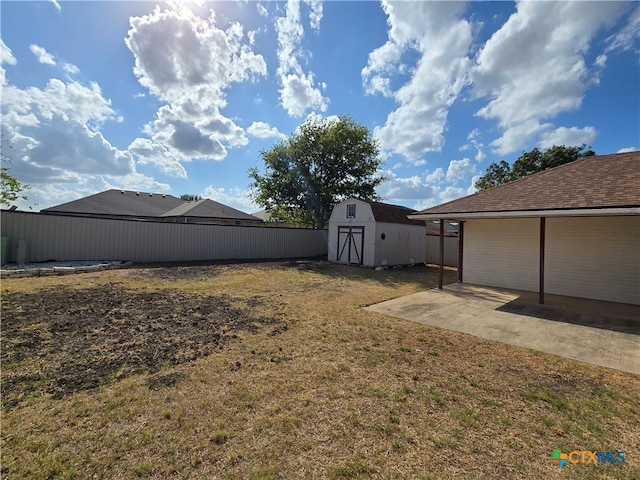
(597,182)
(387,213)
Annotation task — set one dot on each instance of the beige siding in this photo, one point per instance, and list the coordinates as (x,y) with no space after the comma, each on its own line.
(402,245)
(594,257)
(587,257)
(502,253)
(364,218)
(75,238)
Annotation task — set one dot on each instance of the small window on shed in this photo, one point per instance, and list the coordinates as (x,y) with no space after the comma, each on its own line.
(351,210)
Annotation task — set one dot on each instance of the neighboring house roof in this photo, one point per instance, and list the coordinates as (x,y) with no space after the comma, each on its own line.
(262,215)
(589,184)
(450,230)
(208,208)
(120,202)
(269,221)
(127,203)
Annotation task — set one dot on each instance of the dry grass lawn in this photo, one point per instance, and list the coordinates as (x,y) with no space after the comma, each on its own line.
(273,370)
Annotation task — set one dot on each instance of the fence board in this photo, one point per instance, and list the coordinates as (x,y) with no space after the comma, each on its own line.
(66,238)
(450,250)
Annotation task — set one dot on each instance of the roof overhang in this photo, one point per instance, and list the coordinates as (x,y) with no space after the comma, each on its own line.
(579,212)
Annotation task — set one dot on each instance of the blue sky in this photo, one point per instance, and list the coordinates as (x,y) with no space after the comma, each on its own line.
(181,97)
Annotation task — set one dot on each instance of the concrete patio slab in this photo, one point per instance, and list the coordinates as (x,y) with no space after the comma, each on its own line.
(600,333)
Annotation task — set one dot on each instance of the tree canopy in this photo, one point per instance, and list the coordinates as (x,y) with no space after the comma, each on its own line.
(10,188)
(322,164)
(190,197)
(531,162)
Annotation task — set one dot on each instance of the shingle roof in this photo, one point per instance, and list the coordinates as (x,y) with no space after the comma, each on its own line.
(603,181)
(210,209)
(387,213)
(139,204)
(120,202)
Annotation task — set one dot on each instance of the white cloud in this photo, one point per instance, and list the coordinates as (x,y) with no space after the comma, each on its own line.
(70,68)
(234,197)
(626,38)
(264,130)
(151,153)
(460,169)
(188,62)
(473,138)
(262,11)
(518,135)
(568,136)
(317,117)
(70,102)
(315,15)
(627,150)
(451,193)
(58,146)
(6,56)
(139,182)
(56,4)
(251,35)
(601,61)
(56,131)
(42,55)
(431,189)
(298,92)
(472,188)
(409,188)
(441,39)
(46,58)
(533,67)
(436,176)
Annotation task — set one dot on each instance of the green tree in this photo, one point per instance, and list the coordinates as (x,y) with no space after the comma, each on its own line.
(531,162)
(190,197)
(314,169)
(497,174)
(10,188)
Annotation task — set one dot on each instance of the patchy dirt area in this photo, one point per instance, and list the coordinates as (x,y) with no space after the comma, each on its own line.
(61,340)
(314,385)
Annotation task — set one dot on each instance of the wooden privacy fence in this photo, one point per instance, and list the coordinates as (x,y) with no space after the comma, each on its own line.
(63,238)
(450,250)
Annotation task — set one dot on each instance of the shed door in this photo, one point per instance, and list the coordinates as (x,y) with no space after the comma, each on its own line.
(350,244)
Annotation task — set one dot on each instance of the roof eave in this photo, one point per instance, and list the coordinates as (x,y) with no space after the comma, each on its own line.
(577,212)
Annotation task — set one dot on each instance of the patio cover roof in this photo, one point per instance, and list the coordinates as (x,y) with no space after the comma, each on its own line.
(593,186)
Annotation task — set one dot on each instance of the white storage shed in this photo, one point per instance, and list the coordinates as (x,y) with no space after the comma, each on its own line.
(375,234)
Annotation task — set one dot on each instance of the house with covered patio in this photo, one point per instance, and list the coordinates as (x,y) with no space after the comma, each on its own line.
(573,230)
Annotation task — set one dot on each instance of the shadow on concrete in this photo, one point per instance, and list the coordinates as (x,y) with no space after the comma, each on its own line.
(574,317)
(617,317)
